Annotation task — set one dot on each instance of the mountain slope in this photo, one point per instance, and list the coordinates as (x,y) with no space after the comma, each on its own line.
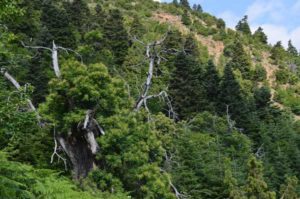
(143,99)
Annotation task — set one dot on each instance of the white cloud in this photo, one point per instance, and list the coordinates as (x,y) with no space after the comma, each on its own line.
(277,33)
(230,18)
(272,16)
(272,9)
(276,17)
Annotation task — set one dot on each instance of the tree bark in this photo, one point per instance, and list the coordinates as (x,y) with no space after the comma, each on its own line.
(55,60)
(18,87)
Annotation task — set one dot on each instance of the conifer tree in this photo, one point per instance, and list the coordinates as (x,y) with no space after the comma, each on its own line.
(243,26)
(185,3)
(240,59)
(182,86)
(230,94)
(262,97)
(79,13)
(175,2)
(260,36)
(100,13)
(278,52)
(221,24)
(190,47)
(137,28)
(211,83)
(292,49)
(115,36)
(186,18)
(56,26)
(256,187)
(174,41)
(198,8)
(289,189)
(186,86)
(231,185)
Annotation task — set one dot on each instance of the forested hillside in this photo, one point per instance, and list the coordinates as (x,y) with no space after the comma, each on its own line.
(145,100)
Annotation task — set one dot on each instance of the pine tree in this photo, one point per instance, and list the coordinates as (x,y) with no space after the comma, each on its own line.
(185,3)
(186,18)
(231,185)
(137,28)
(182,86)
(289,189)
(256,187)
(198,8)
(221,24)
(174,41)
(230,94)
(240,59)
(292,49)
(278,52)
(186,85)
(243,26)
(190,47)
(56,27)
(115,36)
(260,36)
(79,13)
(175,2)
(262,97)
(211,83)
(100,13)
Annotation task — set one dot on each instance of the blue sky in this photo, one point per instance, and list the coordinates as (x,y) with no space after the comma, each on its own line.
(278,18)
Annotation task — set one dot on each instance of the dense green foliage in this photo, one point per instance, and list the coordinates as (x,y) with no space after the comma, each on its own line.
(235,132)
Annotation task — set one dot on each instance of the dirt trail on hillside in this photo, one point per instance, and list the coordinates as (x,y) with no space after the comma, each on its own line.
(171,19)
(270,69)
(215,48)
(271,78)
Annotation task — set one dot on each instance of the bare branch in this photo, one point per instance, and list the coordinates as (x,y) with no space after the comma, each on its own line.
(35,47)
(229,121)
(154,57)
(87,119)
(73,51)
(177,193)
(99,127)
(18,87)
(54,55)
(55,152)
(260,151)
(55,60)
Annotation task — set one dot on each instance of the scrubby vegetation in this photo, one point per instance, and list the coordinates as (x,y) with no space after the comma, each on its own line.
(139,99)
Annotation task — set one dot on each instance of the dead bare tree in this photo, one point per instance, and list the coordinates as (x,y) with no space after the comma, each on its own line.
(175,190)
(154,58)
(16,84)
(54,55)
(230,122)
(79,144)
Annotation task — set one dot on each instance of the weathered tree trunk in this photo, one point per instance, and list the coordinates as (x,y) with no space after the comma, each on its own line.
(55,60)
(79,152)
(154,57)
